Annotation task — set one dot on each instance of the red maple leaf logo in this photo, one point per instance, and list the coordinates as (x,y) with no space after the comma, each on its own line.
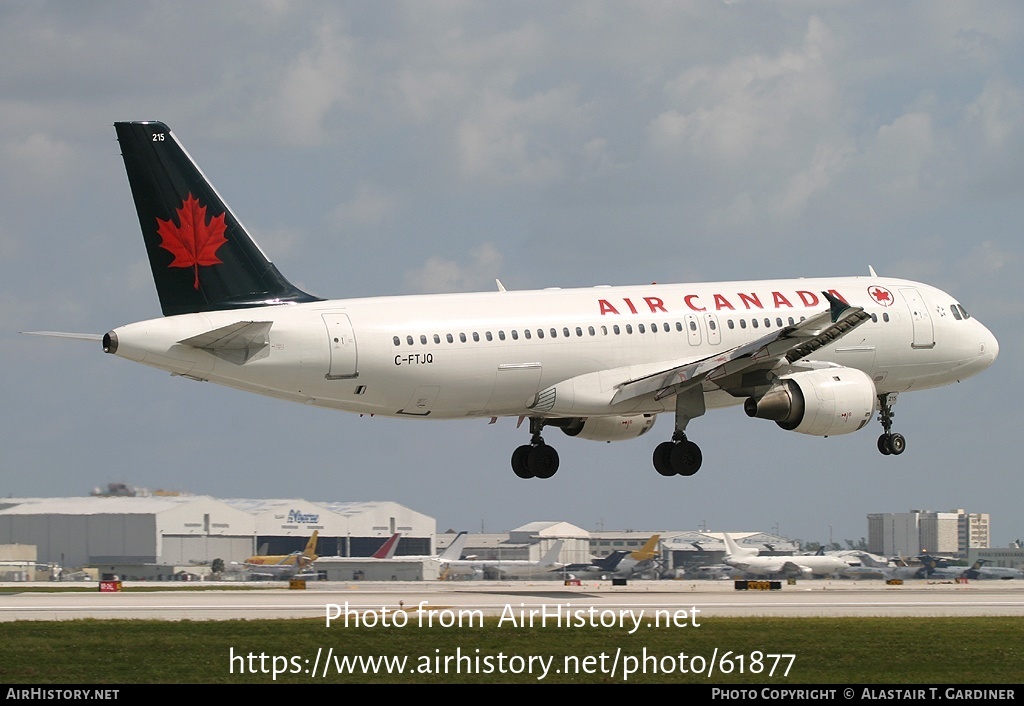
(193,241)
(881,295)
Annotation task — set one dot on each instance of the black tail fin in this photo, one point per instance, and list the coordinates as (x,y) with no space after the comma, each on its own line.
(201,256)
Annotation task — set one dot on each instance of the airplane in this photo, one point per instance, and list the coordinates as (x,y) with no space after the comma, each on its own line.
(935,568)
(452,551)
(503,569)
(639,560)
(816,356)
(869,566)
(604,566)
(978,570)
(285,566)
(387,550)
(749,560)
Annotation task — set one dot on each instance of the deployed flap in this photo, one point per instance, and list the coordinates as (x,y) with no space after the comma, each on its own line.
(790,343)
(236,343)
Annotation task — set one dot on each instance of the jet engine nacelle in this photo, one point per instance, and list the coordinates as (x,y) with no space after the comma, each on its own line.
(818,402)
(607,428)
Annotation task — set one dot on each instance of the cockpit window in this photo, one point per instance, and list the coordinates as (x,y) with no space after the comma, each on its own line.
(964,311)
(956,312)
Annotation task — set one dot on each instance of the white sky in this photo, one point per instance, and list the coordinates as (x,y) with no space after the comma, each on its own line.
(389,148)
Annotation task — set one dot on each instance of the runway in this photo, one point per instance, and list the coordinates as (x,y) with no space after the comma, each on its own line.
(672,600)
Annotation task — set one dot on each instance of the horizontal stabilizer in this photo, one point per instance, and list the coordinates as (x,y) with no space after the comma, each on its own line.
(62,334)
(236,343)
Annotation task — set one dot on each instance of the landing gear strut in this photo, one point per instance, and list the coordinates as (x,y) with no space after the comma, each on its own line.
(536,459)
(681,457)
(889,443)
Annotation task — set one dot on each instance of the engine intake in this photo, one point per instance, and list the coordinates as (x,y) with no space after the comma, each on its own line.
(818,402)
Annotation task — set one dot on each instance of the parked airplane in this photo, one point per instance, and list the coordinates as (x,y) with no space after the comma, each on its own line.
(749,560)
(387,550)
(978,570)
(452,551)
(936,568)
(621,563)
(869,566)
(285,566)
(512,568)
(639,560)
(603,567)
(816,356)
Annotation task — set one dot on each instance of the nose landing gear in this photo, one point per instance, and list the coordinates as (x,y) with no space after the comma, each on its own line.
(889,443)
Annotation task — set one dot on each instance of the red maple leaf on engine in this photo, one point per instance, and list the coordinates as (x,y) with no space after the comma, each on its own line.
(193,241)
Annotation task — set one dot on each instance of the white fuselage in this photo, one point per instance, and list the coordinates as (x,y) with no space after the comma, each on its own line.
(490,354)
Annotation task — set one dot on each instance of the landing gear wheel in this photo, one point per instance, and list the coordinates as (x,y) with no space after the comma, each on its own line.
(686,458)
(663,458)
(897,444)
(542,461)
(520,458)
(883,444)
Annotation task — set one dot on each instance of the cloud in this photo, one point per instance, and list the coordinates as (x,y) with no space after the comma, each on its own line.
(440,275)
(370,206)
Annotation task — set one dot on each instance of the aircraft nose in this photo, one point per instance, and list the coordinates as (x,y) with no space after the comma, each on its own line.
(989,348)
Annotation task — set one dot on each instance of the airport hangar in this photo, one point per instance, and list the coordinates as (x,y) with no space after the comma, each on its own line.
(154,537)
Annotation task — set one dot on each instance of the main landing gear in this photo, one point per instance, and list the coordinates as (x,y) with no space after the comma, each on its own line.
(681,457)
(678,457)
(536,459)
(889,443)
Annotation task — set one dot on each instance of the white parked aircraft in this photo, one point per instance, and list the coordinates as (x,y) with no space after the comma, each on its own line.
(512,568)
(816,356)
(749,560)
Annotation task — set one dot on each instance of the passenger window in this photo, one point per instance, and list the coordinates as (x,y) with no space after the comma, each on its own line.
(778,321)
(693,325)
(731,323)
(501,335)
(667,327)
(423,340)
(743,323)
(476,337)
(408,339)
(449,338)
(615,328)
(753,322)
(527,334)
(885,317)
(397,341)
(590,330)
(540,333)
(640,328)
(629,328)
(489,336)
(437,339)
(712,325)
(579,332)
(462,337)
(515,335)
(604,330)
(874,318)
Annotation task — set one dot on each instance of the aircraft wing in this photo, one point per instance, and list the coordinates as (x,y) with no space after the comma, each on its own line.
(790,343)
